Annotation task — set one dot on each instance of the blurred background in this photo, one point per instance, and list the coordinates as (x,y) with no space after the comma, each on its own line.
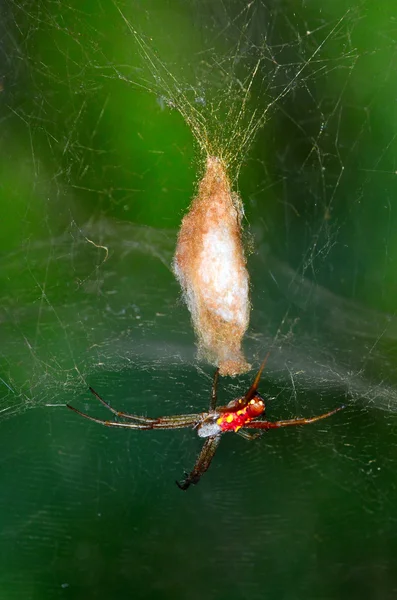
(107,111)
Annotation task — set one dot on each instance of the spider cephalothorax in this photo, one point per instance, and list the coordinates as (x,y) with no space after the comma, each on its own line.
(239,415)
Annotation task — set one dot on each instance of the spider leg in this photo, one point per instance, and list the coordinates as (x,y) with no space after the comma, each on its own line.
(176,422)
(214,390)
(249,436)
(117,412)
(252,391)
(145,420)
(202,463)
(303,421)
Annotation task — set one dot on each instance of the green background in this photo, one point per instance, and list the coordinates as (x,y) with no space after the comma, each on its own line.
(96,171)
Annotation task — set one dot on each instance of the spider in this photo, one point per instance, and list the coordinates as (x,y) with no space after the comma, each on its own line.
(240,414)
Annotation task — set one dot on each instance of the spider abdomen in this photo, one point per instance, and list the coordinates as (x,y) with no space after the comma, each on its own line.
(234,420)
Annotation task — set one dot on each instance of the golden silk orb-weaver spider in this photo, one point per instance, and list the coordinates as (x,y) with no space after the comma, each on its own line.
(239,415)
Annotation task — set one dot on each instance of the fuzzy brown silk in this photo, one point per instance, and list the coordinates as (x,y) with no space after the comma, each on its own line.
(211,267)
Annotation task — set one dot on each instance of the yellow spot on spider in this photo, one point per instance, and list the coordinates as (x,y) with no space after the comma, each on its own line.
(226,419)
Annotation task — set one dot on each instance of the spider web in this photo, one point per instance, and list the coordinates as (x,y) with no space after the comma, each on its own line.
(108,111)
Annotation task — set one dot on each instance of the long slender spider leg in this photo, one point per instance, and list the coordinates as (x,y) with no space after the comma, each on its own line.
(120,413)
(202,463)
(214,390)
(252,391)
(249,436)
(303,421)
(177,422)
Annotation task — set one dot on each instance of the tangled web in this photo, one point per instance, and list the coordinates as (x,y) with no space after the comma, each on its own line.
(246,66)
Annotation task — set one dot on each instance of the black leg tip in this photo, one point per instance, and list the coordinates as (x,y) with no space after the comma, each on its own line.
(183,486)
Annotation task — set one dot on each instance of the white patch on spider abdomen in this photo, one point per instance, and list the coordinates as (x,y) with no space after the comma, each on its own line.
(208,428)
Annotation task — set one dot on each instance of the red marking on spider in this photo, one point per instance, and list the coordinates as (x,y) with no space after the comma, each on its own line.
(237,416)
